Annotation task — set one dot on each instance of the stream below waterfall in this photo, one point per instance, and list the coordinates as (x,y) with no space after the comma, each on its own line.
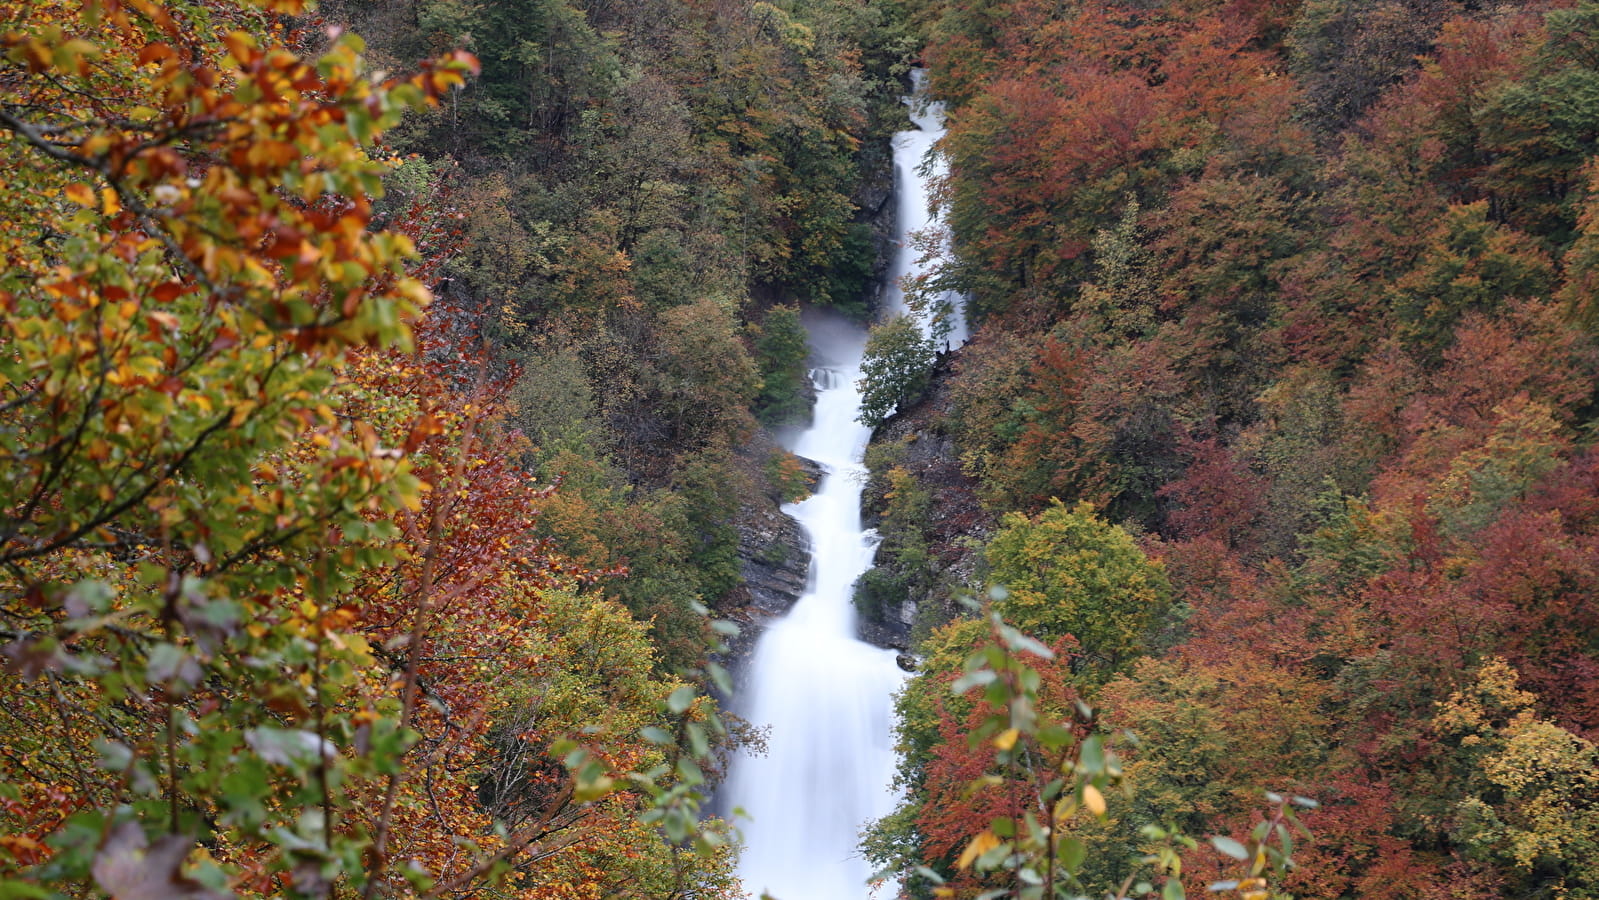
(826,697)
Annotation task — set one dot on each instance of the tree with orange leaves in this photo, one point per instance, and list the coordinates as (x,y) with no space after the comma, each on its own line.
(273,614)
(193,499)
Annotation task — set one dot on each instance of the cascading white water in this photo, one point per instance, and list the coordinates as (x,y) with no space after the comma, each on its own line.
(910,152)
(826,696)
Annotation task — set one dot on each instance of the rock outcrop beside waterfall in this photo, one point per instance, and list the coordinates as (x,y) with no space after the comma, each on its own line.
(773,552)
(774,557)
(878,203)
(954,524)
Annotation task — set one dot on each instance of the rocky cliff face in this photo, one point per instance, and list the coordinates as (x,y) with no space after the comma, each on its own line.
(877,202)
(919,597)
(775,557)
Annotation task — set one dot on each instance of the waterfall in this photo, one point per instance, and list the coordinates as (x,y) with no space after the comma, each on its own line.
(910,153)
(827,697)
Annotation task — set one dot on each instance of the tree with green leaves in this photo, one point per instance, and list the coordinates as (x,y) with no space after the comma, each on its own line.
(895,370)
(1529,786)
(1067,571)
(187,501)
(780,353)
(1020,793)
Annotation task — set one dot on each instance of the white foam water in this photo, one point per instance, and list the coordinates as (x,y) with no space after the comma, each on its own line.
(827,697)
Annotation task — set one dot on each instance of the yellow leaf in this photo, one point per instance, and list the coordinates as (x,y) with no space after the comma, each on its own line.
(81,194)
(982,843)
(1094,800)
(1007,738)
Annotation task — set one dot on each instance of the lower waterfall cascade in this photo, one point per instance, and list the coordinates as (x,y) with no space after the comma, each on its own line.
(826,696)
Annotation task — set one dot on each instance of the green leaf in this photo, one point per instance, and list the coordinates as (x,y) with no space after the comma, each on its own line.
(719,677)
(993,857)
(287,747)
(689,771)
(1053,736)
(1230,847)
(929,874)
(1173,890)
(1091,758)
(1072,852)
(970,680)
(697,742)
(242,792)
(1021,643)
(681,699)
(114,756)
(171,666)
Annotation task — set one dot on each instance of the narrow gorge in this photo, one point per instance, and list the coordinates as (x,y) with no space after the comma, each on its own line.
(825,695)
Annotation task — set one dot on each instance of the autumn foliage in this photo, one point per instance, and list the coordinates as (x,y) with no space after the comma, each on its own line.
(1301,294)
(277,618)
(373,445)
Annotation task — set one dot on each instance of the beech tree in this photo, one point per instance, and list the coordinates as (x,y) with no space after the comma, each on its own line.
(1530,786)
(1068,572)
(895,370)
(185,506)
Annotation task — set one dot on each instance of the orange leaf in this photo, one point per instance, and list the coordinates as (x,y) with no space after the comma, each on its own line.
(241,46)
(982,843)
(425,427)
(155,51)
(81,194)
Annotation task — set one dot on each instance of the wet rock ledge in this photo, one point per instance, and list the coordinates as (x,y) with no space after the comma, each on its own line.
(775,558)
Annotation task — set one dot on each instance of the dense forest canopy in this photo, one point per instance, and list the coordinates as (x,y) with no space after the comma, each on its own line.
(377,416)
(294,352)
(1299,295)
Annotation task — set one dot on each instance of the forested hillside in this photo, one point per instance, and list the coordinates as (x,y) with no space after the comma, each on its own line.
(1292,304)
(378,414)
(374,414)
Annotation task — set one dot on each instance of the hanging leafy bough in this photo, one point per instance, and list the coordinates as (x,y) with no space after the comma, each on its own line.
(187,266)
(267,574)
(1035,773)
